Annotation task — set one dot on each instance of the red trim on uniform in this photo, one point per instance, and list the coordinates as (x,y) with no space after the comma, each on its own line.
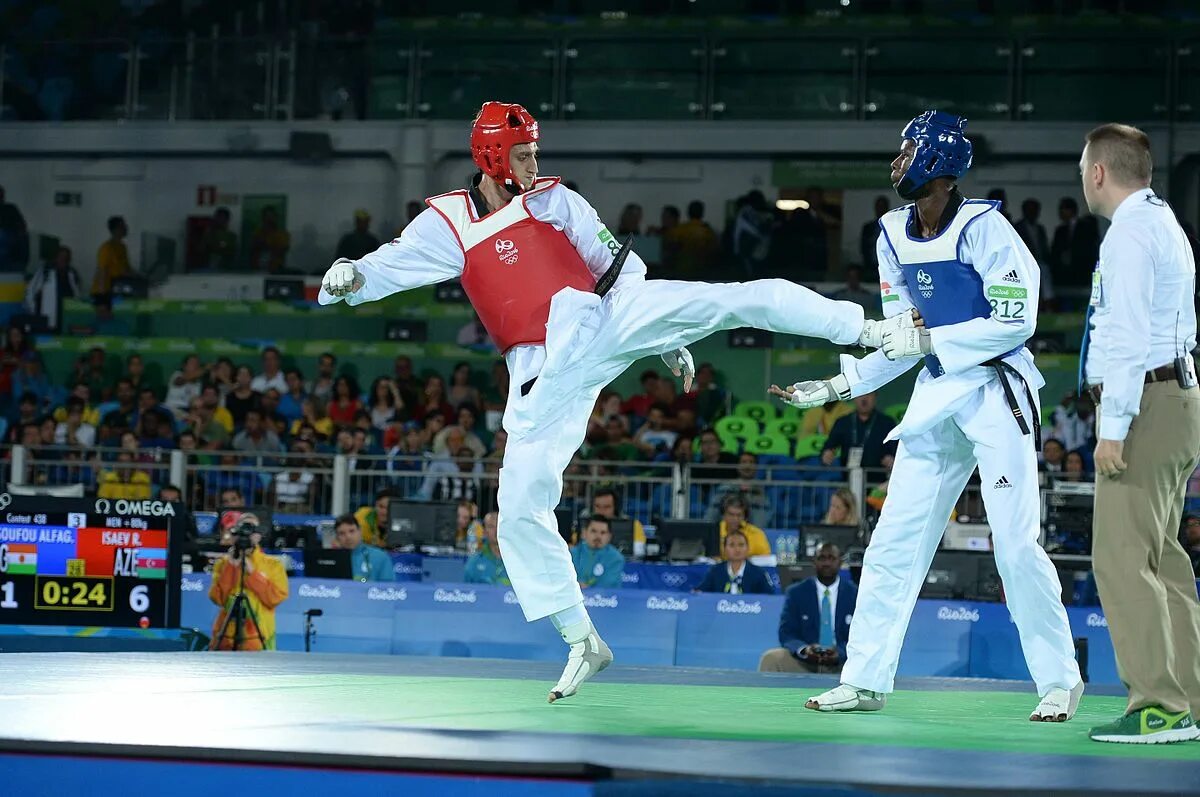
(449,223)
(553,181)
(462,191)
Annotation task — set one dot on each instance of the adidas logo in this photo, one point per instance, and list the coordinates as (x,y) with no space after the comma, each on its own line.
(1002,483)
(1011,276)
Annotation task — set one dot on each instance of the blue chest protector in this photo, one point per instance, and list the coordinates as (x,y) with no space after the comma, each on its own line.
(944,289)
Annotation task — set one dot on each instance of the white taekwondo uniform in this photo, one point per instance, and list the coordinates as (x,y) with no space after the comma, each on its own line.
(976,285)
(583,343)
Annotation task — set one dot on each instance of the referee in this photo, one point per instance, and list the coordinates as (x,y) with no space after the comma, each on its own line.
(1137,367)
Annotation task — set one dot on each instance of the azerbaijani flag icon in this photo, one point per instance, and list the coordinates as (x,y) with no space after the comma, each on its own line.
(151,563)
(21,558)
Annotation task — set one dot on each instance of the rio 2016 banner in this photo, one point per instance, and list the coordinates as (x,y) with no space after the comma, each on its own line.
(89,562)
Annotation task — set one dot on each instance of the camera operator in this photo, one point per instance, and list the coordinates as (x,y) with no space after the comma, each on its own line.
(247,584)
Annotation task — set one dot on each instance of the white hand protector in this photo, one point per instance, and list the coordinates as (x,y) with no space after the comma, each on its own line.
(343,278)
(818,393)
(873,331)
(681,364)
(908,342)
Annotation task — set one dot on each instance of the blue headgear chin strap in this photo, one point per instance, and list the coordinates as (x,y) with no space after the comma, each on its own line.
(942,151)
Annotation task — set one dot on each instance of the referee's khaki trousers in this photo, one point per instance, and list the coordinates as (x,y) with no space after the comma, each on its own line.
(1146,583)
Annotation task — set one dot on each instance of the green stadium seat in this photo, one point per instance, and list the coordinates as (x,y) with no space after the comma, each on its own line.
(789,412)
(896,411)
(810,445)
(769,444)
(787,428)
(634,78)
(761,411)
(1133,73)
(732,427)
(901,85)
(786,78)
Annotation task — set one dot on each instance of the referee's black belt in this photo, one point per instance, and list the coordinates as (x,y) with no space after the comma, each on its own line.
(1163,373)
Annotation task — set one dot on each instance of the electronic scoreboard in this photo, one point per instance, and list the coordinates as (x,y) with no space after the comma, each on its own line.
(89,562)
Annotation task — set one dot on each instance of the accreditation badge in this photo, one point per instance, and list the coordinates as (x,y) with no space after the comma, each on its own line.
(1094,300)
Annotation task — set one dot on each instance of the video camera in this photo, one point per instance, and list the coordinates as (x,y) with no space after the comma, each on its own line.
(246,525)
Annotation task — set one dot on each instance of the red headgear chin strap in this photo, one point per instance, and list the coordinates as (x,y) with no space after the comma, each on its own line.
(499,127)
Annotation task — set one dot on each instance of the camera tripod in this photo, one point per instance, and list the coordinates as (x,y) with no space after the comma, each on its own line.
(239,611)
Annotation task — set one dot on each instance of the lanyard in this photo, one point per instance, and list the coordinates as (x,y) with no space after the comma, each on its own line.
(855,443)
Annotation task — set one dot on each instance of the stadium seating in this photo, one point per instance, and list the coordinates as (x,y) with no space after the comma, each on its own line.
(768,444)
(761,411)
(780,78)
(786,428)
(1132,72)
(655,78)
(902,81)
(460,74)
(810,446)
(732,429)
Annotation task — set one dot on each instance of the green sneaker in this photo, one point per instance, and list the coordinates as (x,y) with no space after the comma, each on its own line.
(1150,725)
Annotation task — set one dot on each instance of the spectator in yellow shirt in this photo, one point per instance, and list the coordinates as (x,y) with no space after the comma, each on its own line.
(211,397)
(112,261)
(693,245)
(80,391)
(265,586)
(123,481)
(270,244)
(373,520)
(734,518)
(820,420)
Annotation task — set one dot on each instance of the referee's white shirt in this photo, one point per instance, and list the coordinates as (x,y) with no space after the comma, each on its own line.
(1142,315)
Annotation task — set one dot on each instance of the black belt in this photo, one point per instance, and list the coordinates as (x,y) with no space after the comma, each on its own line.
(609,278)
(1163,373)
(1002,369)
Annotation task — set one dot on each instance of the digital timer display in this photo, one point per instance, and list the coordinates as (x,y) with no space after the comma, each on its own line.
(88,562)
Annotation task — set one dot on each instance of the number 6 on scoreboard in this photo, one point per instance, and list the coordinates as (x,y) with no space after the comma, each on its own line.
(139,598)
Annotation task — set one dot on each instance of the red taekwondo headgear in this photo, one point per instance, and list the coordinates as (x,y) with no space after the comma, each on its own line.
(499,127)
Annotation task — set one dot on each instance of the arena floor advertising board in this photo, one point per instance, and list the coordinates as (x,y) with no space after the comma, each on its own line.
(89,562)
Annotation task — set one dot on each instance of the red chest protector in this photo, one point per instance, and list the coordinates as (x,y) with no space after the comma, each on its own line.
(514,265)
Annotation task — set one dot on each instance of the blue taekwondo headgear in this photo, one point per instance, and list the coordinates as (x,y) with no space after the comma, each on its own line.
(942,151)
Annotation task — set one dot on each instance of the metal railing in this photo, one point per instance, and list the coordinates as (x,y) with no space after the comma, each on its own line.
(582,74)
(778,496)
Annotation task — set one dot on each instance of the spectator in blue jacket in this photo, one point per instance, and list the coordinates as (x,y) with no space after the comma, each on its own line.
(597,562)
(485,565)
(735,575)
(815,623)
(367,563)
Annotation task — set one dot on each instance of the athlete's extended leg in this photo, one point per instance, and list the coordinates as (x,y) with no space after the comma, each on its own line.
(655,316)
(1009,481)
